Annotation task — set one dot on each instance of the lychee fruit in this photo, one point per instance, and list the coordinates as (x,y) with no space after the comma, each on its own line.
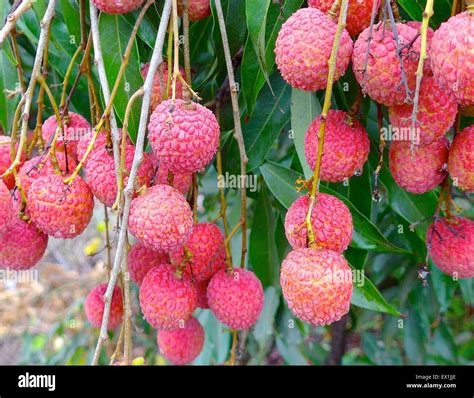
(452,58)
(330,218)
(181,181)
(141,260)
(346,146)
(205,247)
(235,298)
(197,9)
(23,244)
(161,80)
(60,210)
(184,137)
(421,170)
(382,78)
(429,36)
(95,305)
(117,6)
(166,300)
(359,13)
(304,46)
(201,291)
(182,345)
(161,219)
(5,160)
(6,206)
(101,177)
(437,110)
(317,285)
(461,160)
(75,127)
(452,246)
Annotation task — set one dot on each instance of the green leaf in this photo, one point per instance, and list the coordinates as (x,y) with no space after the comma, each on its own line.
(70,12)
(415,8)
(413,339)
(263,329)
(281,182)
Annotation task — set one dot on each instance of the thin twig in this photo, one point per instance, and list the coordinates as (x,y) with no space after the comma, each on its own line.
(11,19)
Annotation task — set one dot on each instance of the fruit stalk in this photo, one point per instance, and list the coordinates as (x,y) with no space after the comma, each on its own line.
(11,19)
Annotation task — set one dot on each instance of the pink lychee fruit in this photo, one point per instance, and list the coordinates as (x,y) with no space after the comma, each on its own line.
(201,291)
(197,9)
(330,218)
(182,345)
(235,298)
(452,246)
(359,13)
(95,305)
(6,206)
(317,285)
(382,79)
(452,58)
(461,160)
(166,300)
(437,110)
(346,146)
(205,247)
(421,170)
(161,80)
(117,6)
(181,181)
(5,160)
(184,137)
(141,260)
(60,210)
(304,46)
(100,143)
(161,219)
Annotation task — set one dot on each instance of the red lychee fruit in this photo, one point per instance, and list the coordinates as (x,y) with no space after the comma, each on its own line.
(95,305)
(117,6)
(23,244)
(184,137)
(197,9)
(461,160)
(166,300)
(304,46)
(101,177)
(5,160)
(236,299)
(437,110)
(452,58)
(161,79)
(201,291)
(182,345)
(330,218)
(75,127)
(452,246)
(206,248)
(141,260)
(422,170)
(317,285)
(161,219)
(181,181)
(59,210)
(359,13)
(382,79)
(6,206)
(346,146)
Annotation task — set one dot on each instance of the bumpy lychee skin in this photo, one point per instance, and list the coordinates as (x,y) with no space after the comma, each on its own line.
(166,301)
(95,304)
(359,13)
(161,78)
(206,248)
(452,245)
(346,147)
(461,160)
(6,206)
(422,170)
(383,77)
(117,6)
(437,111)
(197,9)
(452,58)
(303,49)
(101,177)
(182,345)
(201,291)
(141,260)
(236,299)
(59,210)
(23,245)
(317,285)
(330,218)
(75,128)
(100,143)
(184,137)
(5,160)
(161,219)
(181,181)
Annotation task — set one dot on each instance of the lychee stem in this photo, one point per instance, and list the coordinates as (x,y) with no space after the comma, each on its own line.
(13,17)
